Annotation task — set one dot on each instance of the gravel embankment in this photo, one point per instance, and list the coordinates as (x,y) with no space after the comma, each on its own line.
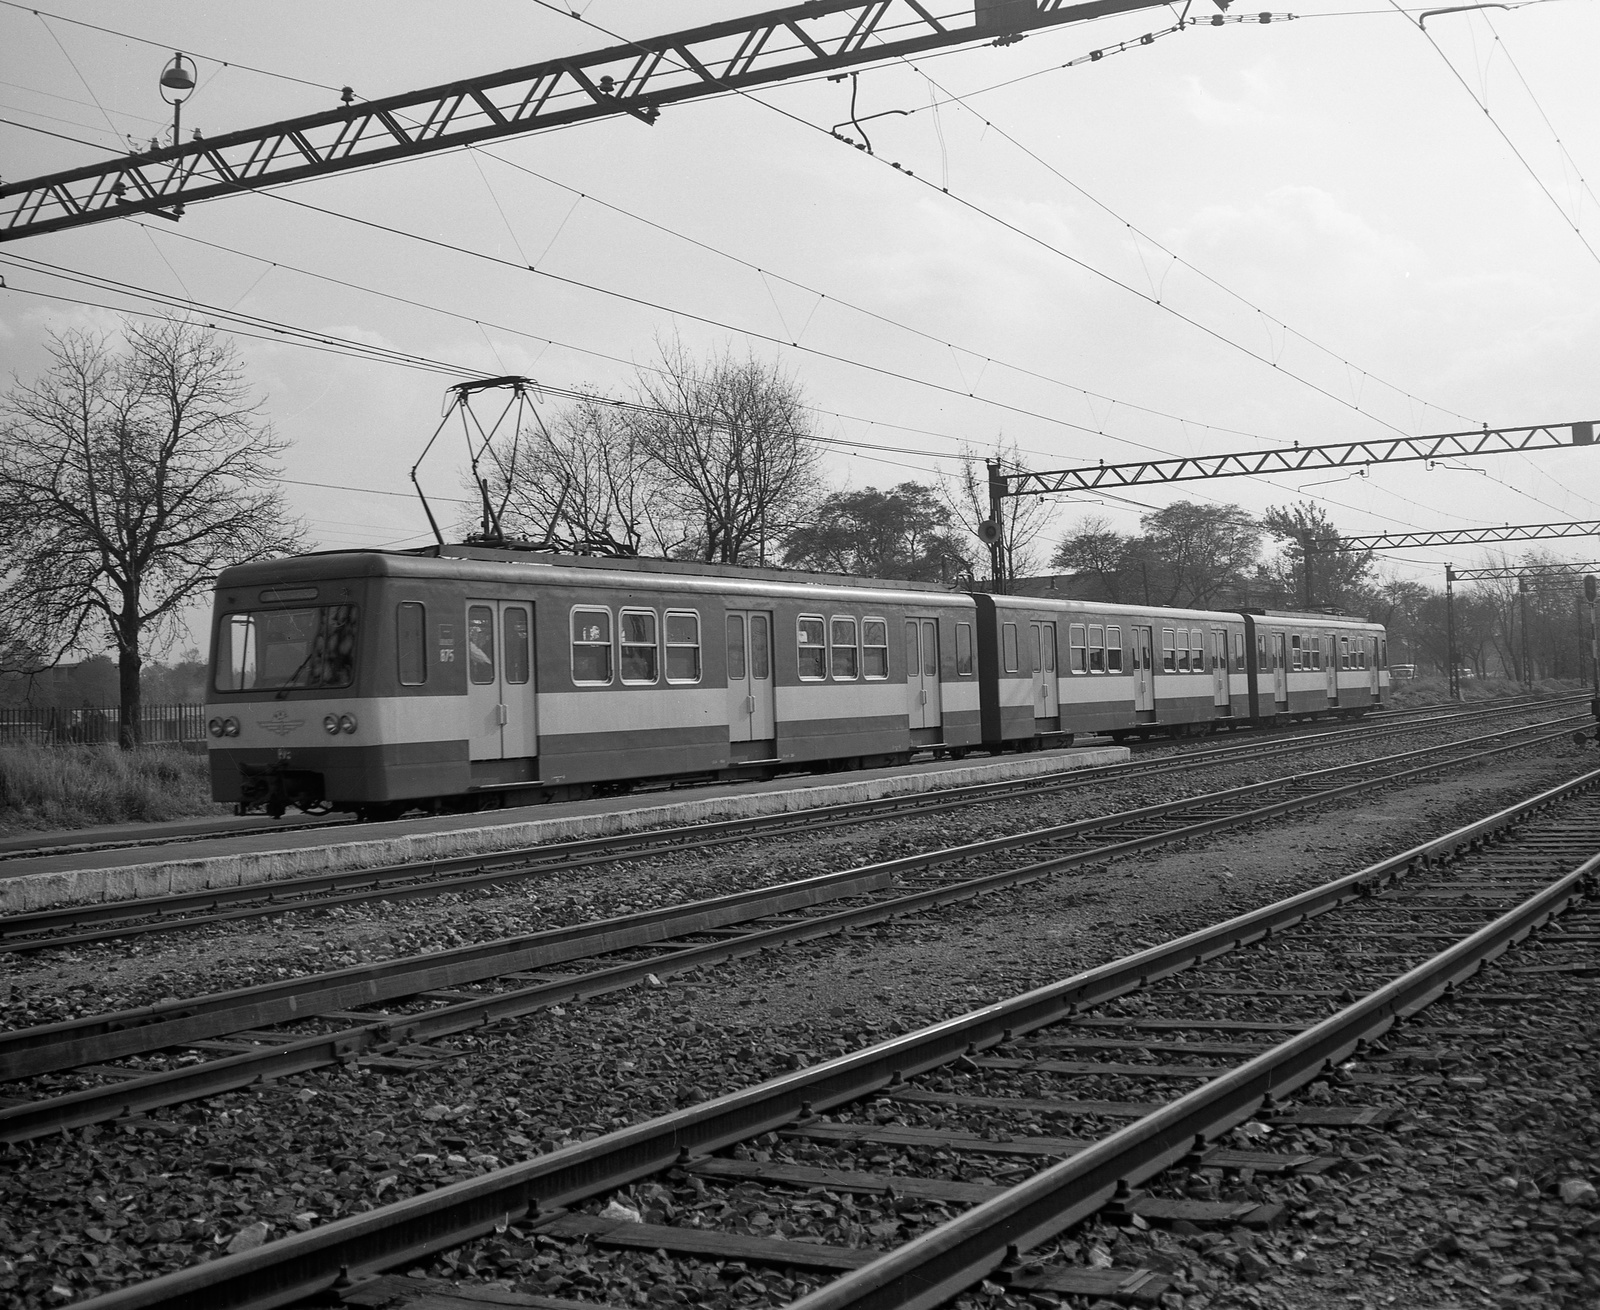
(110,1206)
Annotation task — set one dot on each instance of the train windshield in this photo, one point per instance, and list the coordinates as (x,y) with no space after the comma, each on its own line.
(272,650)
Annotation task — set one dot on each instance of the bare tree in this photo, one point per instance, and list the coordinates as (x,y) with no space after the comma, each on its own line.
(584,484)
(731,439)
(128,480)
(1023,519)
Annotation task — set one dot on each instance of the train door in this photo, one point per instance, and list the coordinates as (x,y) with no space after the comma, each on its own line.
(1220,699)
(1372,667)
(1045,692)
(1144,687)
(500,704)
(752,713)
(1332,666)
(1280,670)
(924,705)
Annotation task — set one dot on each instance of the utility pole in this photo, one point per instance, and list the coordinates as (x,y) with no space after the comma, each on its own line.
(1450,630)
(1522,595)
(992,531)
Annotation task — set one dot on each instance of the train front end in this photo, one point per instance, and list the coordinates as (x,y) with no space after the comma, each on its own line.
(286,724)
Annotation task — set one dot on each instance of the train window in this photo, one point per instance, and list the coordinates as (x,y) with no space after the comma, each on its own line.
(1169,657)
(480,643)
(1294,652)
(1183,650)
(287,648)
(1383,652)
(875,648)
(1097,648)
(963,650)
(683,646)
(1008,646)
(1238,652)
(1077,649)
(1197,650)
(737,669)
(1113,650)
(760,648)
(1313,652)
(514,623)
(591,647)
(1261,652)
(813,649)
(640,652)
(1344,652)
(410,642)
(846,658)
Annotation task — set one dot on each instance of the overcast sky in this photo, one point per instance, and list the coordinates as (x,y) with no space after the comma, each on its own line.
(1332,174)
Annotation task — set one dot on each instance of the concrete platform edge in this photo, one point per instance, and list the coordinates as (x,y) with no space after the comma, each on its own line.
(39,891)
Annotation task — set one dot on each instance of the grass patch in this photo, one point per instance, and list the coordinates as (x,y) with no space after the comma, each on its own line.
(1416,693)
(52,787)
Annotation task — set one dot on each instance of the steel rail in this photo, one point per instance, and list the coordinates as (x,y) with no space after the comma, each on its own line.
(942,1262)
(114,1035)
(304,1264)
(391,882)
(386,1033)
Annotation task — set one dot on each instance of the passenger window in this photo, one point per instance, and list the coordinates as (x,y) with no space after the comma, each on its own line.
(844,649)
(1077,661)
(1097,648)
(1294,652)
(1183,650)
(1197,650)
(1383,653)
(591,647)
(1238,652)
(515,623)
(639,650)
(930,649)
(813,639)
(480,643)
(683,646)
(760,648)
(875,648)
(1344,652)
(1169,655)
(736,664)
(963,650)
(1113,650)
(1008,646)
(411,626)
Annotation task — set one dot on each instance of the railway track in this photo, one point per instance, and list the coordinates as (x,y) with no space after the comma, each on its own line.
(900,1175)
(72,926)
(67,843)
(393,1015)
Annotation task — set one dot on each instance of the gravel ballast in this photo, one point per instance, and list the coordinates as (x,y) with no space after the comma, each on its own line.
(109,1206)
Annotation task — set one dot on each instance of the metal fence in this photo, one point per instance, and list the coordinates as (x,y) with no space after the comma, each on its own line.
(40,726)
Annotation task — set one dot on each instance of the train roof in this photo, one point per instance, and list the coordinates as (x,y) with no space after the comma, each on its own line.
(486,564)
(1068,605)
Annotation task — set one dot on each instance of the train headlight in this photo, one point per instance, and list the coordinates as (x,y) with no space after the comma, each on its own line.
(215,727)
(347,722)
(330,724)
(230,727)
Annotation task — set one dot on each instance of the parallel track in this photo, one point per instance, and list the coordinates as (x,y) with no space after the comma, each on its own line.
(69,926)
(1283,1008)
(67,843)
(76,1086)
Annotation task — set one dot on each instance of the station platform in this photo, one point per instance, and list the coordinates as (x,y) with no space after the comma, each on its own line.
(69,877)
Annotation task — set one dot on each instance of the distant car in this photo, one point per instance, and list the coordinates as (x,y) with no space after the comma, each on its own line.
(1400,671)
(1463,674)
